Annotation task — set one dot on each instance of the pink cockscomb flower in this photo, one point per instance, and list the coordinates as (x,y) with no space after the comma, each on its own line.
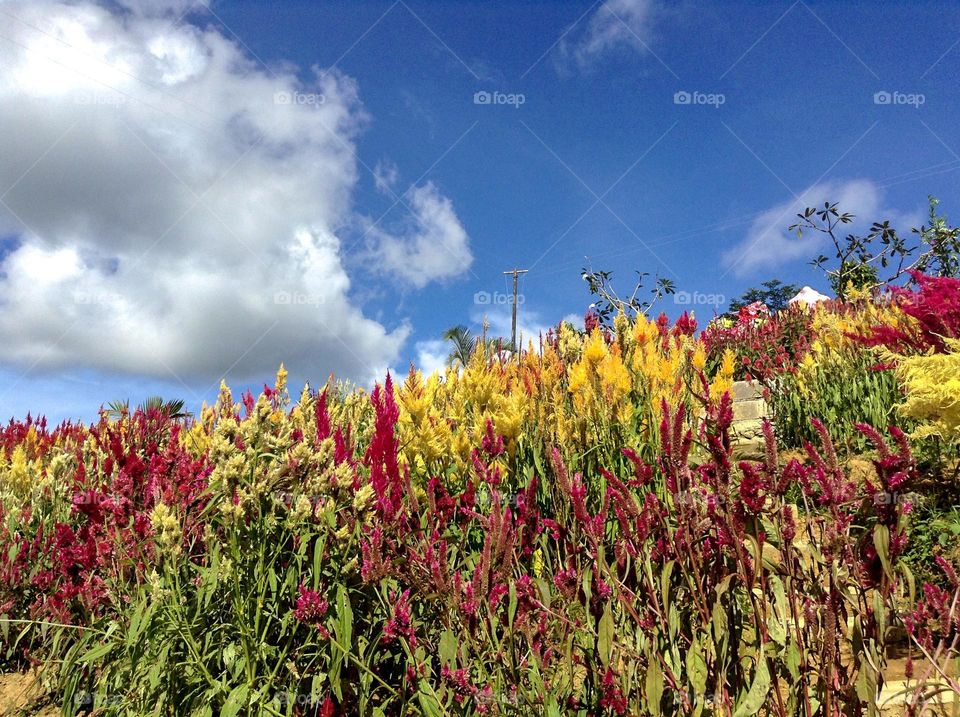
(311,609)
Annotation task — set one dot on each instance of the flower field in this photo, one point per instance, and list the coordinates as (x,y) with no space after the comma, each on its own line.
(567,530)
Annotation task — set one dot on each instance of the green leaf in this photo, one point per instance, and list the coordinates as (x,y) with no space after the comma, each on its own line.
(673,622)
(792,660)
(665,582)
(654,685)
(553,709)
(345,615)
(697,669)
(236,701)
(96,653)
(605,636)
(867,684)
(777,628)
(317,561)
(544,587)
(756,697)
(428,702)
(448,647)
(881,541)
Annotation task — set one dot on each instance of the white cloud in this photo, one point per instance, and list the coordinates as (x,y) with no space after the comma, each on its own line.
(177,208)
(163,7)
(615,25)
(768,244)
(530,325)
(385,176)
(433,244)
(576,320)
(432,355)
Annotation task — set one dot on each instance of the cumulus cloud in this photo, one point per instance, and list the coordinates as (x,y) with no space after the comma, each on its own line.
(530,325)
(433,244)
(615,25)
(177,209)
(769,245)
(163,7)
(432,355)
(385,176)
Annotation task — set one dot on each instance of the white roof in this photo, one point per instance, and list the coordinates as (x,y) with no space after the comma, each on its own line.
(809,296)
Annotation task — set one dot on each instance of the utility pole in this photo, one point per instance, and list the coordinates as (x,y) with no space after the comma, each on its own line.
(513,338)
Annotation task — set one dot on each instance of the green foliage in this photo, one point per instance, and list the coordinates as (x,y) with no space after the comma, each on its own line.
(609,304)
(464,344)
(943,241)
(856,257)
(212,632)
(840,390)
(774,294)
(173,408)
(881,256)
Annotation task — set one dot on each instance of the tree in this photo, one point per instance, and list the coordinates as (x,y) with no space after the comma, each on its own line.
(775,294)
(609,303)
(173,409)
(856,256)
(943,257)
(464,344)
(859,260)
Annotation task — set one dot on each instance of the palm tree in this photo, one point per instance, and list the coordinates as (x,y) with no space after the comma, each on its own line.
(464,344)
(172,409)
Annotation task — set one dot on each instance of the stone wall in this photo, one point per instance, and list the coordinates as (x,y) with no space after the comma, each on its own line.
(749,410)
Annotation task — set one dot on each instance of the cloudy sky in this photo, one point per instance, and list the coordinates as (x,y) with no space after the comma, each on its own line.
(197,190)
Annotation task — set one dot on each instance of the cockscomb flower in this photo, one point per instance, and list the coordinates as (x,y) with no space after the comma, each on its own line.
(363,498)
(167,528)
(612,697)
(752,488)
(566,581)
(399,625)
(311,609)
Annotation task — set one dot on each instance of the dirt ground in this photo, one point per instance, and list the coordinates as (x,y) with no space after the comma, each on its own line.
(20,695)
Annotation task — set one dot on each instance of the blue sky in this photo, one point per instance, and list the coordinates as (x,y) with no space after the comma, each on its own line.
(346,198)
